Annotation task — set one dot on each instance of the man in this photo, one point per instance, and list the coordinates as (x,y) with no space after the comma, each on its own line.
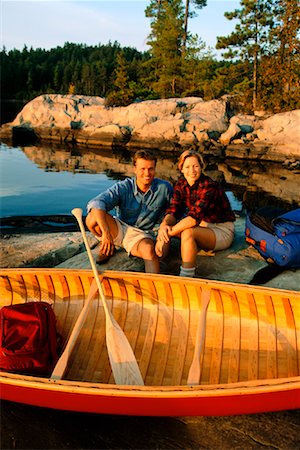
(140,203)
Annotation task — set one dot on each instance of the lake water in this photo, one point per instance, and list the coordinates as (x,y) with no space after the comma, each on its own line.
(48,180)
(27,189)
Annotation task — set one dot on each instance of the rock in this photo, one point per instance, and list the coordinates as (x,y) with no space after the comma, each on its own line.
(282,131)
(66,250)
(239,125)
(40,250)
(168,125)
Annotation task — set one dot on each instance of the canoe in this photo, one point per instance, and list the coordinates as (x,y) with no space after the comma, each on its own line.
(249,363)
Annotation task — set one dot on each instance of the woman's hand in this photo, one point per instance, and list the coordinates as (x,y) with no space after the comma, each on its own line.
(164,232)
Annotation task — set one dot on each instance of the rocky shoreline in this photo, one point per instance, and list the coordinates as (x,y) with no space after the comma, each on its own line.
(170,125)
(66,250)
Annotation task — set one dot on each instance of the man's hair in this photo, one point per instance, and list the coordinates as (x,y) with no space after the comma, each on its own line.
(144,154)
(188,153)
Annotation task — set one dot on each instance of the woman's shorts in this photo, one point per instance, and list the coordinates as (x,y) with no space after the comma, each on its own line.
(129,236)
(224,233)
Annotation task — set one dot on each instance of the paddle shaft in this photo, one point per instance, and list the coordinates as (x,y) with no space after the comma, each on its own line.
(195,369)
(60,366)
(77,212)
(123,363)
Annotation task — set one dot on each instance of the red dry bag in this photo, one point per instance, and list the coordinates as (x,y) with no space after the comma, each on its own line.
(28,338)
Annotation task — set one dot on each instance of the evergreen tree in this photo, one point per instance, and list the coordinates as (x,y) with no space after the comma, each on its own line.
(121,94)
(280,78)
(249,41)
(165,41)
(188,14)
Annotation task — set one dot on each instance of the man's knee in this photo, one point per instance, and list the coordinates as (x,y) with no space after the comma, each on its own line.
(89,221)
(92,224)
(145,249)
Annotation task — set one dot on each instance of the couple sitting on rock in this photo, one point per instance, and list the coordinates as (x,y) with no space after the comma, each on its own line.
(196,210)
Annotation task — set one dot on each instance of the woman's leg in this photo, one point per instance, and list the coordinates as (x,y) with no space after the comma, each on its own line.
(192,240)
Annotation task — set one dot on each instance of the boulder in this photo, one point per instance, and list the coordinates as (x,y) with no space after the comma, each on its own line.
(168,124)
(240,125)
(282,131)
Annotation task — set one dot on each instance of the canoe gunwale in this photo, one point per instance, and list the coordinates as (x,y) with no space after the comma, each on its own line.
(127,274)
(245,388)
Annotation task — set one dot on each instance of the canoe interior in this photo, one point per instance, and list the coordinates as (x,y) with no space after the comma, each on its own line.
(252,333)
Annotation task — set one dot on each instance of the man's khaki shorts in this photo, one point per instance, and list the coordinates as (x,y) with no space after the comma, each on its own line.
(129,236)
(224,233)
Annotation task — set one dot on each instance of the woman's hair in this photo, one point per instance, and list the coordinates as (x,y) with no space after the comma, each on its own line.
(144,154)
(188,153)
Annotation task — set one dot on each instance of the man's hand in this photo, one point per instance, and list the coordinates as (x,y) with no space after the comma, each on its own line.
(107,246)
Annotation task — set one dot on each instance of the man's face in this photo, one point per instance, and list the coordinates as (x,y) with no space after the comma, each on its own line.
(144,171)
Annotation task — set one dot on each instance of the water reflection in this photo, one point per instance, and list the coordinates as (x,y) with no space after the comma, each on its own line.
(249,179)
(252,184)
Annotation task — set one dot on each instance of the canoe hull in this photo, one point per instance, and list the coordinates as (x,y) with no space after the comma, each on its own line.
(250,362)
(229,400)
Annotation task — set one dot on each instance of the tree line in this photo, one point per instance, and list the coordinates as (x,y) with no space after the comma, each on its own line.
(260,65)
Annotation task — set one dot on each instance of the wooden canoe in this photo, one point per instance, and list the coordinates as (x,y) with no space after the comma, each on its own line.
(250,361)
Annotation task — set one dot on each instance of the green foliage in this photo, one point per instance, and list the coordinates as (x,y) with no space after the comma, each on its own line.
(189,14)
(122,94)
(280,71)
(90,70)
(261,65)
(267,37)
(165,41)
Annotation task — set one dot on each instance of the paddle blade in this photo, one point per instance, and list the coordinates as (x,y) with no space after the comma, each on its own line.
(195,369)
(124,366)
(194,374)
(62,362)
(60,367)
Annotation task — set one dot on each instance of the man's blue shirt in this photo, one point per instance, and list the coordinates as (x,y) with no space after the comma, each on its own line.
(141,210)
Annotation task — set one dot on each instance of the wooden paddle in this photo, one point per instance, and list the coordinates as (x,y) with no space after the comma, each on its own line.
(195,369)
(62,362)
(123,363)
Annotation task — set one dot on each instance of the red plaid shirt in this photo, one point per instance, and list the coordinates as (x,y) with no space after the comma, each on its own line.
(205,200)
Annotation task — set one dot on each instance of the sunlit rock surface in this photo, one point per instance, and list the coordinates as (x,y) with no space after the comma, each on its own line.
(168,125)
(237,264)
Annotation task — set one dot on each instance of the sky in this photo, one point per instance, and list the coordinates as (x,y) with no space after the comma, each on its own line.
(48,24)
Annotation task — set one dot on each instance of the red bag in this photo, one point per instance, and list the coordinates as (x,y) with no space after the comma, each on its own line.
(28,338)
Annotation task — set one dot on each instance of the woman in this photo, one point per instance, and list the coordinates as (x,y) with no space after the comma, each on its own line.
(199,214)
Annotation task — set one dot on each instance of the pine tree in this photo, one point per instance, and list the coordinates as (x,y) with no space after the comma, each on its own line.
(188,14)
(165,41)
(281,69)
(249,41)
(121,94)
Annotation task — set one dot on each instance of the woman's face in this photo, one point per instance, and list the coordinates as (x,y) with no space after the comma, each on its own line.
(191,169)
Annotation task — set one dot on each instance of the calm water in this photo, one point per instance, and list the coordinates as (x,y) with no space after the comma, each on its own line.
(53,180)
(27,189)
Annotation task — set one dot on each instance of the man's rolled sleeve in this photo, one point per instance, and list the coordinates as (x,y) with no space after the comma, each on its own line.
(106,201)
